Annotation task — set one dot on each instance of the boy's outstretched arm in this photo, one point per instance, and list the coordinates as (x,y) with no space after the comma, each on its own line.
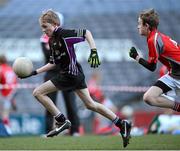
(93,59)
(34,72)
(44,68)
(134,54)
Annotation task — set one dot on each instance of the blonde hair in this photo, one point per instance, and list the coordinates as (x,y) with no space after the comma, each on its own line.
(150,17)
(50,16)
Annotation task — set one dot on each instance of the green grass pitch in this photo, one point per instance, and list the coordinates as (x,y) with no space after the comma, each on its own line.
(147,142)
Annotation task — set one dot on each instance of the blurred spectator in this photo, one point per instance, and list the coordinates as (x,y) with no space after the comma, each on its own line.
(7,101)
(69,96)
(127,111)
(101,125)
(93,86)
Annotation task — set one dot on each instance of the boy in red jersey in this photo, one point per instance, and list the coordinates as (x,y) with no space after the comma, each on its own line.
(167,51)
(7,77)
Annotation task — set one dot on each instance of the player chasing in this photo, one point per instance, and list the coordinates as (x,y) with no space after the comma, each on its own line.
(71,76)
(167,51)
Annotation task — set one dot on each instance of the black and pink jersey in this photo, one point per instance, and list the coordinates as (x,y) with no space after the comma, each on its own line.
(62,49)
(166,50)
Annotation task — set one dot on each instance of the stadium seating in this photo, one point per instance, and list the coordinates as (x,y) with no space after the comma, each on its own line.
(103,18)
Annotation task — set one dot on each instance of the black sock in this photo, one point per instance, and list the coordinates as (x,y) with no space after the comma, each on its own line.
(176,106)
(117,121)
(60,118)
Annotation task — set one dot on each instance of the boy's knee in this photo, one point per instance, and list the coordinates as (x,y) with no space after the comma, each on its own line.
(90,105)
(148,99)
(36,93)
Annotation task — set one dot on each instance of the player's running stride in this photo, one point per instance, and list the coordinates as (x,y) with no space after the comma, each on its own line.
(71,75)
(160,48)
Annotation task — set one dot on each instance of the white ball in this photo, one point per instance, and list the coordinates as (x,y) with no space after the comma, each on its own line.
(22,66)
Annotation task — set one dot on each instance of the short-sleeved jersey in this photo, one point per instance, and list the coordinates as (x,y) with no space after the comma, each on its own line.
(7,76)
(166,50)
(62,49)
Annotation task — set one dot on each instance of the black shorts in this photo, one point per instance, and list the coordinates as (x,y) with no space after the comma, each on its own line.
(165,88)
(69,82)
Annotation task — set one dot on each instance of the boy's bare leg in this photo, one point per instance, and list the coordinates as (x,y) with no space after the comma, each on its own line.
(123,125)
(41,95)
(95,106)
(153,97)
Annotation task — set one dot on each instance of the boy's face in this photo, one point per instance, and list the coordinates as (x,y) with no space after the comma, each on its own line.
(142,29)
(47,28)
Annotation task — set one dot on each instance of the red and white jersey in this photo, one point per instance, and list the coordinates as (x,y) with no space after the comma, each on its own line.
(7,76)
(166,50)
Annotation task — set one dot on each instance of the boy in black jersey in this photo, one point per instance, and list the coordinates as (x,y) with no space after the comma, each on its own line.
(71,76)
(68,96)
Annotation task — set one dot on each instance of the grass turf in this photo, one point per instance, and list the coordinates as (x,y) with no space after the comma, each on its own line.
(147,142)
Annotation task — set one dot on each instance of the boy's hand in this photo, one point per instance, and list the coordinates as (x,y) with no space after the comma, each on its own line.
(32,73)
(133,53)
(93,59)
